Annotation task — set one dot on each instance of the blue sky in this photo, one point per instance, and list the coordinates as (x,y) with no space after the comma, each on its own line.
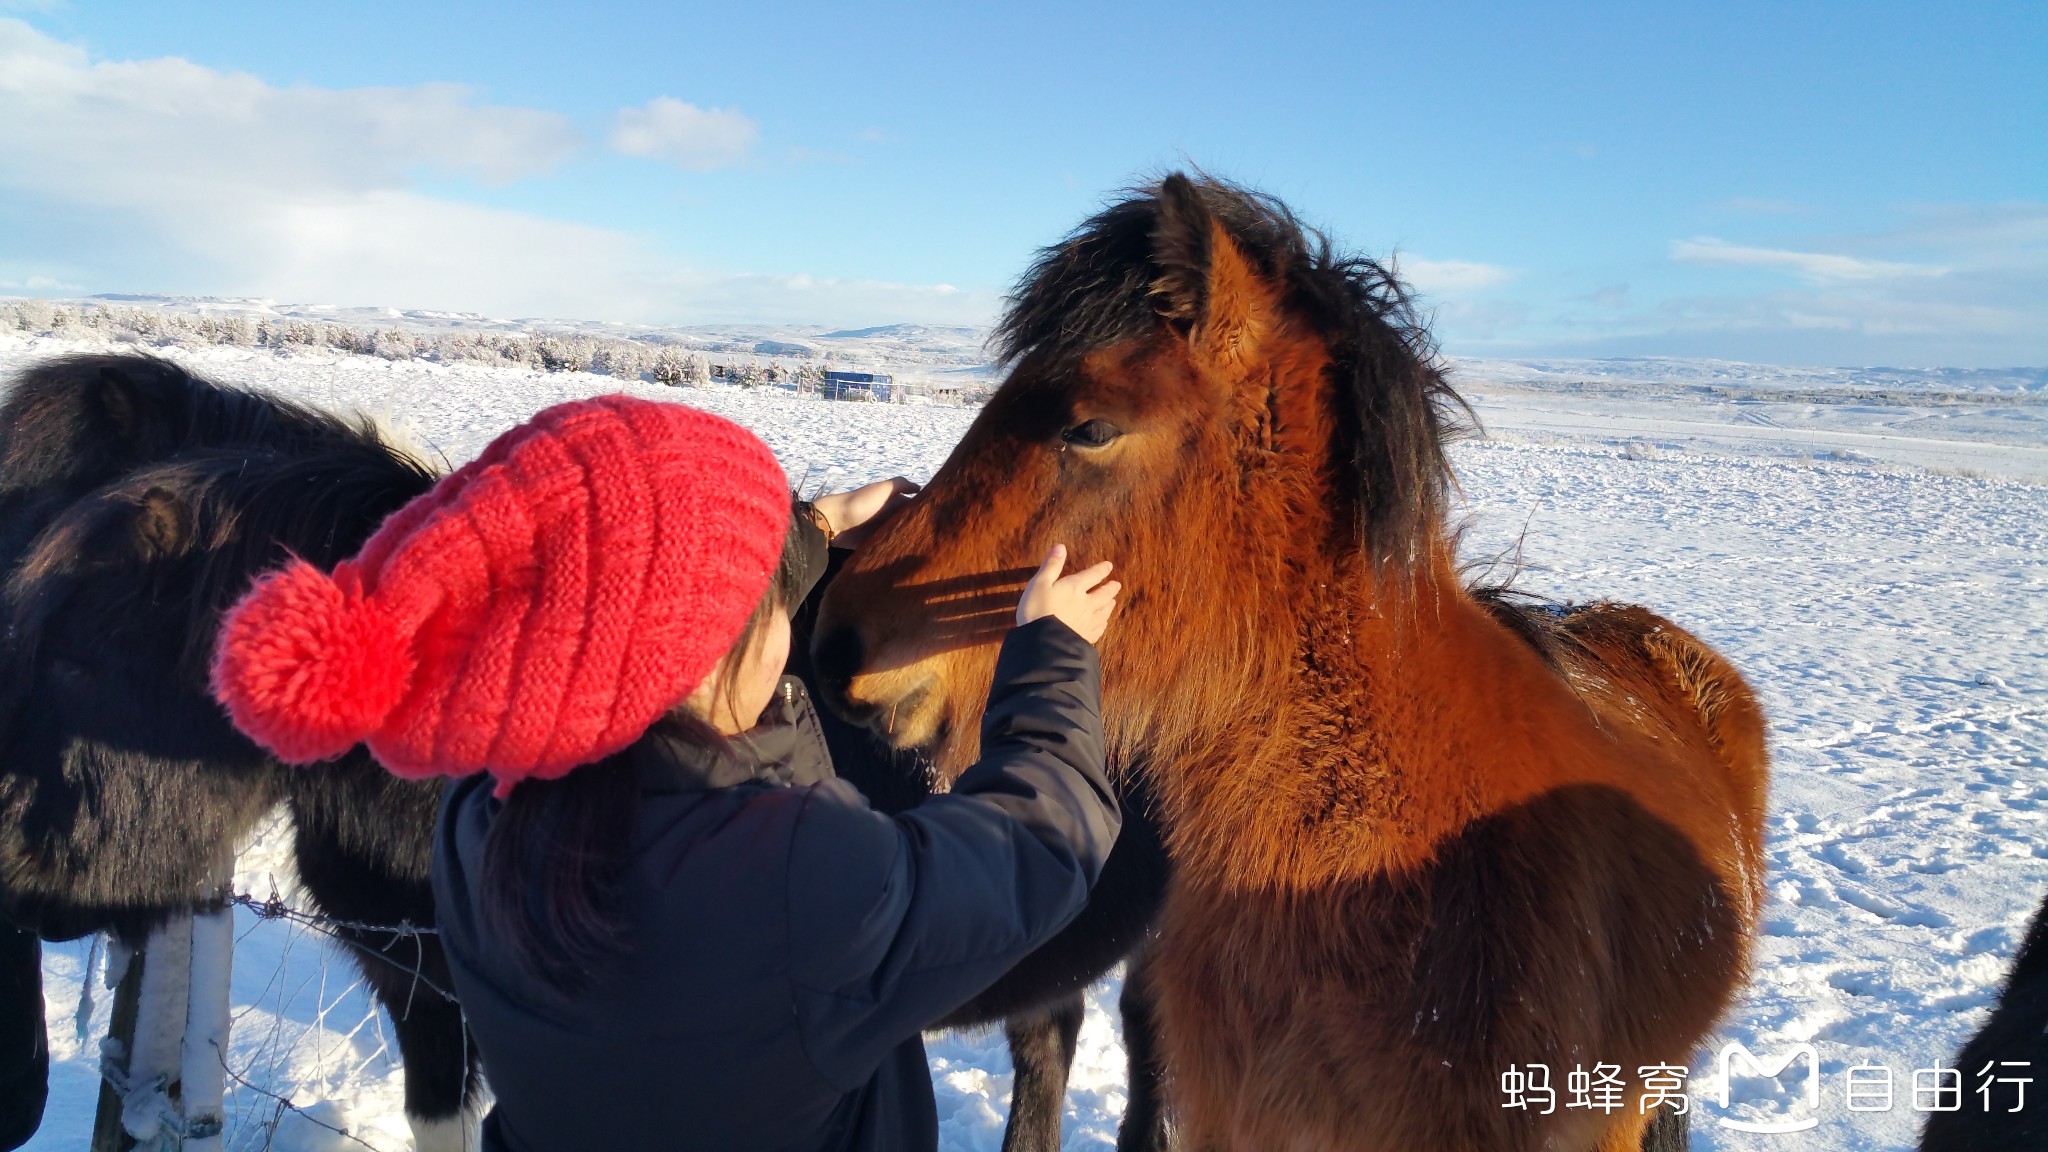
(1798,183)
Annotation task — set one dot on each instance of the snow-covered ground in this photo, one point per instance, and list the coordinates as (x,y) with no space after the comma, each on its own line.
(1868,549)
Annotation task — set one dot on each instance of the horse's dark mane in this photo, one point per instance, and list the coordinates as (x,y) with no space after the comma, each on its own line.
(221,518)
(1537,621)
(96,415)
(1120,277)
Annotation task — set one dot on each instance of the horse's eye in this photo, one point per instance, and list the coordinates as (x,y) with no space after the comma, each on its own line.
(1092,434)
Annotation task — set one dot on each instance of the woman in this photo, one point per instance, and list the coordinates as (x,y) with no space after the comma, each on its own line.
(669,925)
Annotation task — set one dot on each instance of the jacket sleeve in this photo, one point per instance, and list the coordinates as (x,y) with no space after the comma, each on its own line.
(896,921)
(816,550)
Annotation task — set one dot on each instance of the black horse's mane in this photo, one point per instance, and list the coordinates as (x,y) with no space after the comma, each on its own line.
(207,486)
(202,525)
(1141,262)
(97,415)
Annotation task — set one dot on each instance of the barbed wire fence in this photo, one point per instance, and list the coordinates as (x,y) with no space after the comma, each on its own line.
(311,1063)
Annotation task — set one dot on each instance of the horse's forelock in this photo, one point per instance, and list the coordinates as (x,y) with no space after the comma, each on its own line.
(1135,267)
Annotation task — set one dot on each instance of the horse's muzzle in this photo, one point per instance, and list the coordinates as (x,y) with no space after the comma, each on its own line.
(900,704)
(835,661)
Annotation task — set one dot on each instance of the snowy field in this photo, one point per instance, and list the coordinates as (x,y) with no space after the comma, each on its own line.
(1869,552)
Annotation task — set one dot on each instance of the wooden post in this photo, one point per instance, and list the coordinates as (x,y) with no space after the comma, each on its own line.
(151,1033)
(107,1133)
(203,1076)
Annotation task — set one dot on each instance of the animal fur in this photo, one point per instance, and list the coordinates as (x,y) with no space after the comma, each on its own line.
(1419,833)
(137,502)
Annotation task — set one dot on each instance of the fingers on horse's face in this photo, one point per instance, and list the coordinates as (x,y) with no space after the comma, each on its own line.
(1164,450)
(1088,454)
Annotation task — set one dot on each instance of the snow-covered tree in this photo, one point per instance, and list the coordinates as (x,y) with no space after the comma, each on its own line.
(672,367)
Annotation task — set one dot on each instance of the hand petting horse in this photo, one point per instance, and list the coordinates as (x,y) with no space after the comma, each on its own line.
(1421,834)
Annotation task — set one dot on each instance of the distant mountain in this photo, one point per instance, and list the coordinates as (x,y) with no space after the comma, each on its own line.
(1660,373)
(909,332)
(938,351)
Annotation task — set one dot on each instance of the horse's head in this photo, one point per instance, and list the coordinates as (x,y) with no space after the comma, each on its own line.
(99,658)
(112,611)
(1200,391)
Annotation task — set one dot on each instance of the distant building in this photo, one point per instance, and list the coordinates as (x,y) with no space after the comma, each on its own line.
(839,385)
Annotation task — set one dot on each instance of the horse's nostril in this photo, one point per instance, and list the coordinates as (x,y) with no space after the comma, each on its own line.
(836,655)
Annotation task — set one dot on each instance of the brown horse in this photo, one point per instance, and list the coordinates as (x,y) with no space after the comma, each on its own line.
(1423,835)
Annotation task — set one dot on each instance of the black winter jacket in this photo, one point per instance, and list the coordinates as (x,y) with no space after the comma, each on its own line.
(790,943)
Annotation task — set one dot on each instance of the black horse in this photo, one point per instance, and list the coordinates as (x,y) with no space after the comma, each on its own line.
(136,503)
(2017,1031)
(67,427)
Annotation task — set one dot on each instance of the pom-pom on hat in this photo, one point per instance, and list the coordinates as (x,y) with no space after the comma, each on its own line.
(536,610)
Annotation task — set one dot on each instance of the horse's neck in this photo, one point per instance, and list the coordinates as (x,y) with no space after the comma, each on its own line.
(1345,765)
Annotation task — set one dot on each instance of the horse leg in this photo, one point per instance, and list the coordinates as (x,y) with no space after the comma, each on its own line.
(363,848)
(1630,1132)
(1041,1054)
(441,1080)
(1144,1125)
(24,1040)
(1669,1131)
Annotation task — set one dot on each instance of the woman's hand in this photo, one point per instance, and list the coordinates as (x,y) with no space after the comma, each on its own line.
(850,516)
(1082,601)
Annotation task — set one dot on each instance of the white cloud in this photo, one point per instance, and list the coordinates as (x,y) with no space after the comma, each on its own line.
(107,130)
(1821,267)
(685,135)
(1452,275)
(1957,285)
(164,175)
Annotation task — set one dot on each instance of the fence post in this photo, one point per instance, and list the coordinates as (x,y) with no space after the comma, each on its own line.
(107,1133)
(151,1044)
(203,1066)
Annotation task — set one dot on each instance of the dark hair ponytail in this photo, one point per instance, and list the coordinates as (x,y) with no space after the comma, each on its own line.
(556,855)
(553,862)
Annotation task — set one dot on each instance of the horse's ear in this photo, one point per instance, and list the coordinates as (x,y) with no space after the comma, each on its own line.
(162,525)
(1207,288)
(1241,310)
(1180,248)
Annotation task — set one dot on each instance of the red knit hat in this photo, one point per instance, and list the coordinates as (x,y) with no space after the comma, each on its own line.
(534,611)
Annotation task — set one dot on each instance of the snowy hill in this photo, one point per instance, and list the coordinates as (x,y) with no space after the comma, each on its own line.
(909,350)
(1855,541)
(1990,421)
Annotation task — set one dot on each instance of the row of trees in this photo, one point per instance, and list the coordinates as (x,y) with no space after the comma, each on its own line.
(626,359)
(808,374)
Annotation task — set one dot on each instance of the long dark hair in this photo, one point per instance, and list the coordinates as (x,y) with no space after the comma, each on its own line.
(556,855)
